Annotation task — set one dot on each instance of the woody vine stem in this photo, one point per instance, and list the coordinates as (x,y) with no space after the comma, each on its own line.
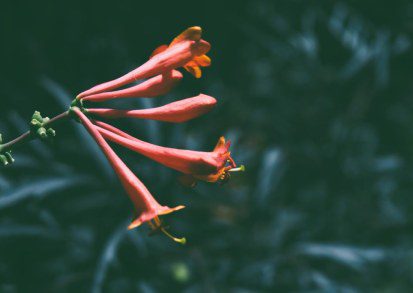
(30,135)
(40,128)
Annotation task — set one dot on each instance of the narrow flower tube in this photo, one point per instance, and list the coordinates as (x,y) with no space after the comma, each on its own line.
(187,50)
(176,112)
(153,87)
(146,207)
(207,166)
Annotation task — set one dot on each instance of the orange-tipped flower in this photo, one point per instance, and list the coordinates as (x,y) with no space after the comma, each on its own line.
(177,112)
(193,66)
(207,166)
(187,50)
(146,207)
(153,87)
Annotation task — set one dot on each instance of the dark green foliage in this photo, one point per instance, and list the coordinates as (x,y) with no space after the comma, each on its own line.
(317,99)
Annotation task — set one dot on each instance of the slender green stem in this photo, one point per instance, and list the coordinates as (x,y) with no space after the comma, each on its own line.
(27,135)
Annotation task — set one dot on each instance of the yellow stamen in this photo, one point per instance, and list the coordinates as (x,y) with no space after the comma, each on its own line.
(158,225)
(239,169)
(179,240)
(158,221)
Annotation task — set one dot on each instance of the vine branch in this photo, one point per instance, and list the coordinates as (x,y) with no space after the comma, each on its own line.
(27,136)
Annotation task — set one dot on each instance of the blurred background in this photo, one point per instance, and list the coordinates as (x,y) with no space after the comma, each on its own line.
(317,99)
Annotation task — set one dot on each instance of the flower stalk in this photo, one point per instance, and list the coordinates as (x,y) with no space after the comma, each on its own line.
(28,135)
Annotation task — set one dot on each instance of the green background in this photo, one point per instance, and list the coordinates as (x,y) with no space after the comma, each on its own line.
(317,99)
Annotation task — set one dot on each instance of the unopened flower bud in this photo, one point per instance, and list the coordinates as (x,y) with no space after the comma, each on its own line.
(35,123)
(37,116)
(51,132)
(41,132)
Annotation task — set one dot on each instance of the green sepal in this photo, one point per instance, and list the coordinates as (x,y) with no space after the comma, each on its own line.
(3,160)
(51,132)
(9,157)
(1,139)
(77,103)
(73,115)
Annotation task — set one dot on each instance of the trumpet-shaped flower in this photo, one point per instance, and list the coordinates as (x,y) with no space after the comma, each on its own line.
(177,112)
(207,166)
(153,87)
(187,50)
(194,65)
(147,209)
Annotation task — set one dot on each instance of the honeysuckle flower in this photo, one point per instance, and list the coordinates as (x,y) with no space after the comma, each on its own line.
(153,87)
(187,50)
(207,166)
(147,209)
(194,65)
(177,112)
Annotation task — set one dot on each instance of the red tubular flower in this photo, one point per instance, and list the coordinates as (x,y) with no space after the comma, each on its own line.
(207,166)
(176,112)
(155,86)
(146,207)
(194,65)
(187,50)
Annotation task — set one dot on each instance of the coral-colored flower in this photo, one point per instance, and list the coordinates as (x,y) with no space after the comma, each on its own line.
(194,65)
(187,50)
(153,87)
(177,112)
(146,207)
(207,166)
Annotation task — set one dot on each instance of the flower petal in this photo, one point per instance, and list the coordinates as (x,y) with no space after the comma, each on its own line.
(202,60)
(149,216)
(193,33)
(194,70)
(175,112)
(146,206)
(158,50)
(153,87)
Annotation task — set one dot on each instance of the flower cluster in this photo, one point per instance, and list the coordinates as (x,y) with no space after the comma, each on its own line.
(38,126)
(188,51)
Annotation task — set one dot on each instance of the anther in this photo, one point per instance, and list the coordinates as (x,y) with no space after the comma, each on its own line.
(239,169)
(157,225)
